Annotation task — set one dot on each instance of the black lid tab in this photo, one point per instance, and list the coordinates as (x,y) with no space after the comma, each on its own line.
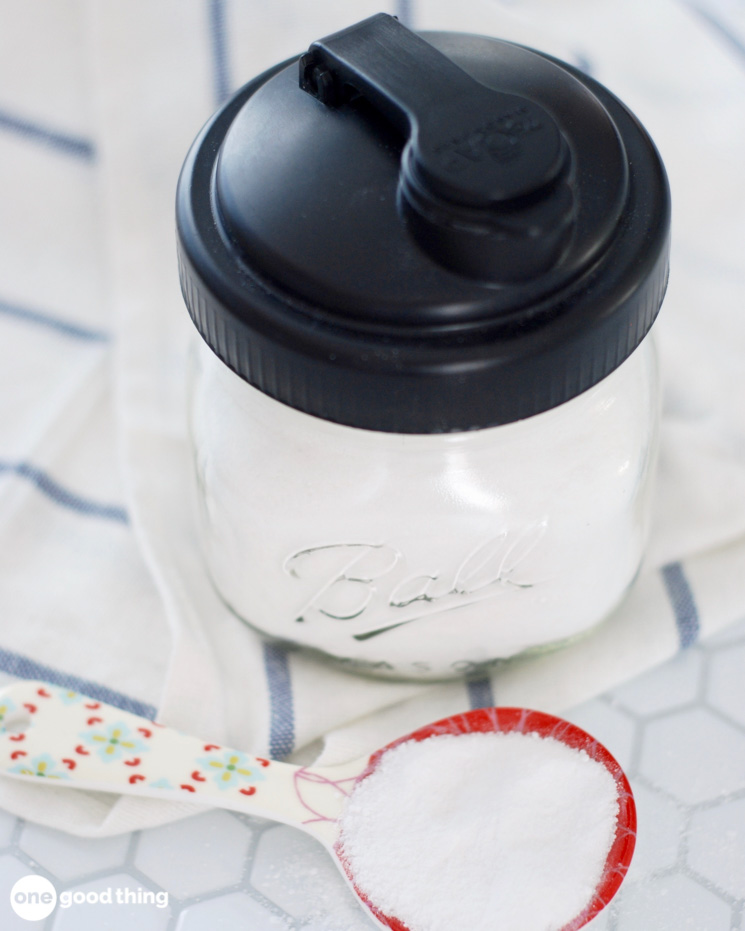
(484,175)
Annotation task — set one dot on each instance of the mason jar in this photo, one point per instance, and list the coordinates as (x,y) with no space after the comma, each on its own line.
(424,402)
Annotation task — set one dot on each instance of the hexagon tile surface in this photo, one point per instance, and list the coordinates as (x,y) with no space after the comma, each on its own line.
(67,857)
(679,731)
(195,856)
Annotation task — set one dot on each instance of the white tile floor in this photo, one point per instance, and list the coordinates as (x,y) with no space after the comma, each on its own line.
(679,731)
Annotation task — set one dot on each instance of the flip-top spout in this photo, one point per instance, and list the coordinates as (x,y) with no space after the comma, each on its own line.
(484,176)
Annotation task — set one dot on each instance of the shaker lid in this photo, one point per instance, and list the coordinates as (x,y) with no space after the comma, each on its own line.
(422,234)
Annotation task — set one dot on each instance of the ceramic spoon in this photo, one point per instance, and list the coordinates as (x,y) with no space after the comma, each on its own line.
(65,739)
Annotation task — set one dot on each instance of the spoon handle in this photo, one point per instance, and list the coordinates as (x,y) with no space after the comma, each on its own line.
(62,738)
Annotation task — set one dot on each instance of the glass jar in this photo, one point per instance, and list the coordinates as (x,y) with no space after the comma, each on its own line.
(424,555)
(423,444)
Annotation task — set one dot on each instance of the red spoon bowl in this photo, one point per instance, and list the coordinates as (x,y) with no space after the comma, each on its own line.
(526,721)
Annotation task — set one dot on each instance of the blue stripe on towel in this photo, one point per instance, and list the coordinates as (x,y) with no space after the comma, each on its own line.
(684,605)
(276,659)
(221,84)
(62,142)
(28,315)
(281,710)
(15,664)
(722,29)
(583,63)
(62,496)
(405,12)
(480,694)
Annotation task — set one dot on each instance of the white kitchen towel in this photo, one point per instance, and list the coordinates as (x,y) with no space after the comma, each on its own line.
(102,586)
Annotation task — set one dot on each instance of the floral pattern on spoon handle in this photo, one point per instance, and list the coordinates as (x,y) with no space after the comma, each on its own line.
(56,734)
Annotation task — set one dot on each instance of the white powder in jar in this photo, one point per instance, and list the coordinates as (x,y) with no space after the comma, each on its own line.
(481,831)
(423,556)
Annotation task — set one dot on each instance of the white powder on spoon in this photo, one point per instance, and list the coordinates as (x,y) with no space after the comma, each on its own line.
(481,831)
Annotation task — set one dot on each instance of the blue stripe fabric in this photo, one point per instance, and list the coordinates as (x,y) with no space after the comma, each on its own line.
(480,694)
(65,143)
(276,658)
(281,707)
(63,496)
(29,315)
(15,664)
(583,63)
(683,603)
(221,84)
(405,12)
(724,32)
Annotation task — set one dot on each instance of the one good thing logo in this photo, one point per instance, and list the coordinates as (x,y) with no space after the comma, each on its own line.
(33,898)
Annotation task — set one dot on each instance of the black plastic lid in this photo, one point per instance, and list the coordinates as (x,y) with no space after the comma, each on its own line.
(421,234)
